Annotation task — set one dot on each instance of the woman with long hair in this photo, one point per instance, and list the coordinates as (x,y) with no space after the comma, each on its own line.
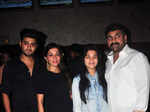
(89,87)
(53,86)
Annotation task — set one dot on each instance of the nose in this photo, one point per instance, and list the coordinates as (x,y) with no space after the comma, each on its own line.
(91,59)
(55,57)
(29,45)
(114,39)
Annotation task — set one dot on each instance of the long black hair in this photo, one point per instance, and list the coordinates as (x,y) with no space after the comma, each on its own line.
(84,83)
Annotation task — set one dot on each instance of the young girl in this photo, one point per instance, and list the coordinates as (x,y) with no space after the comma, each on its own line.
(89,87)
(53,86)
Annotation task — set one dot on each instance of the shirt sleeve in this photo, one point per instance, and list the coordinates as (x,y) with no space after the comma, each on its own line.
(5,86)
(76,95)
(141,76)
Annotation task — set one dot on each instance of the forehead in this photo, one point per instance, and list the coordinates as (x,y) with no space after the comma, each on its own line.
(29,39)
(91,52)
(114,32)
(53,50)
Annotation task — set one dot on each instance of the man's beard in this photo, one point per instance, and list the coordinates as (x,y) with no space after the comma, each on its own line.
(28,55)
(110,51)
(118,47)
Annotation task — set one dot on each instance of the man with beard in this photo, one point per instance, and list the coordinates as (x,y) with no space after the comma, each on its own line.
(127,73)
(18,75)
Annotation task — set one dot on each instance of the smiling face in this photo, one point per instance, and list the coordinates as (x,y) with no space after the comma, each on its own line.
(91,60)
(28,46)
(116,40)
(53,57)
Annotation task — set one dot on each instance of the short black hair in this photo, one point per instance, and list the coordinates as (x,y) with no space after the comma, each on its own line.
(32,33)
(117,26)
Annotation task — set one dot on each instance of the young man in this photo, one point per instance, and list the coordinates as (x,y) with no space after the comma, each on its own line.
(18,76)
(127,73)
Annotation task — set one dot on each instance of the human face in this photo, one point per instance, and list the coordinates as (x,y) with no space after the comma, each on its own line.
(28,46)
(116,40)
(91,60)
(53,57)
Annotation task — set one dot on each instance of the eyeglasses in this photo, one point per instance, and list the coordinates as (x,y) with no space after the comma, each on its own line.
(116,37)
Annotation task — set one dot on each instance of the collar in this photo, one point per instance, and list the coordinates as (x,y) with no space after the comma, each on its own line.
(94,77)
(122,53)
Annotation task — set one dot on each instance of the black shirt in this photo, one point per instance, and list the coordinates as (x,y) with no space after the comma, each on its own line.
(18,84)
(56,92)
(1,103)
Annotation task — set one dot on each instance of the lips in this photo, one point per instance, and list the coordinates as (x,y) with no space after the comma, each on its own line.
(29,50)
(91,63)
(55,62)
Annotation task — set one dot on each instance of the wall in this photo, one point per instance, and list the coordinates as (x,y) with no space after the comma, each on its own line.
(78,24)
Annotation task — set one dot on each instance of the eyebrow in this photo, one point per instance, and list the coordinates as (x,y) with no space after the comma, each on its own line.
(118,33)
(29,42)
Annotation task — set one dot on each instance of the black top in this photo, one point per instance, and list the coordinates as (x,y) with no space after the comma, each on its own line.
(18,83)
(56,92)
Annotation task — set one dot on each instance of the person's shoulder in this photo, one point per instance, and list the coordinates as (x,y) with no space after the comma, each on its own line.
(13,62)
(11,67)
(134,52)
(76,78)
(137,54)
(131,50)
(44,73)
(41,77)
(76,81)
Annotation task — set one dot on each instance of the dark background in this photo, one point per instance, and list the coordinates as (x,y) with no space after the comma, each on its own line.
(77,23)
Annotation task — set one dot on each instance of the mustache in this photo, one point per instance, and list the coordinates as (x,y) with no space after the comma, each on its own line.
(114,43)
(108,50)
(28,49)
